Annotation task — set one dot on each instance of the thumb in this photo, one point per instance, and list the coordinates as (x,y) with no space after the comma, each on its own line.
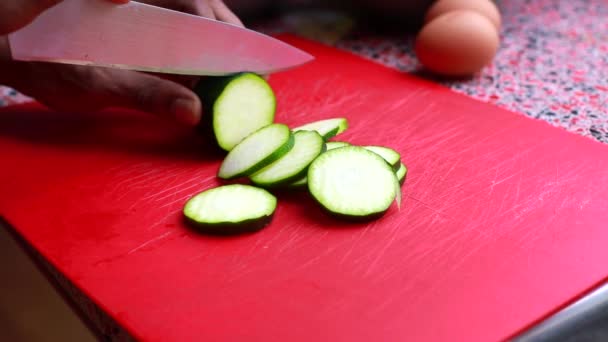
(155,95)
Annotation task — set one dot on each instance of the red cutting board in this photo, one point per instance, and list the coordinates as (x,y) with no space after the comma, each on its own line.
(503,219)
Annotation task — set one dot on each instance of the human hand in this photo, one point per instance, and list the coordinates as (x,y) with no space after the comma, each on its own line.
(83,88)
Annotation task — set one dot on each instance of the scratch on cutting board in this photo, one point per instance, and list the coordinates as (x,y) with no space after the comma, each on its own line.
(194,183)
(354,244)
(395,231)
(169,189)
(158,238)
(294,238)
(317,257)
(180,199)
(123,176)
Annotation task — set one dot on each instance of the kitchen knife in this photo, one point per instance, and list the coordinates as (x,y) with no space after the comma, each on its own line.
(142,37)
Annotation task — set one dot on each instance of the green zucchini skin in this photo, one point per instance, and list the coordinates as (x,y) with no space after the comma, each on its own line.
(352,216)
(222,217)
(268,160)
(298,184)
(271,158)
(209,90)
(289,180)
(278,153)
(341,126)
(230,228)
(387,152)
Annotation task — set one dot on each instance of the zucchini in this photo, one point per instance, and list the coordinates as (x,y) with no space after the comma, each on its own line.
(327,128)
(391,156)
(353,182)
(303,181)
(230,209)
(300,183)
(237,105)
(294,164)
(336,144)
(401,173)
(257,151)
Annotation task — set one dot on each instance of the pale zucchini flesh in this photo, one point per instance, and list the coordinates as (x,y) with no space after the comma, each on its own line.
(336,144)
(327,128)
(300,183)
(294,164)
(401,173)
(230,209)
(390,155)
(237,106)
(257,151)
(353,182)
(246,105)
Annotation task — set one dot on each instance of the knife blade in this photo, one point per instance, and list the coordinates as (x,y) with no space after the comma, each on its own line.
(143,37)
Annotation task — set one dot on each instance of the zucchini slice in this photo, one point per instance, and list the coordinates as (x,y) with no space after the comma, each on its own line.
(401,172)
(238,106)
(298,184)
(391,156)
(294,164)
(230,209)
(336,144)
(327,128)
(303,181)
(353,182)
(257,151)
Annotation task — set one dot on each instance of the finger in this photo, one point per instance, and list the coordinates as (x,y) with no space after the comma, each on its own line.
(223,13)
(82,88)
(16,14)
(198,7)
(154,95)
(118,1)
(185,80)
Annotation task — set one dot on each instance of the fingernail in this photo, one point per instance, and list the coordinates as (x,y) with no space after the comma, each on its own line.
(184,111)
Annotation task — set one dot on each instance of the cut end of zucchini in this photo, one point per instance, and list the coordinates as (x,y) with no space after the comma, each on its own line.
(230,209)
(391,156)
(294,164)
(327,128)
(257,151)
(398,192)
(352,182)
(246,104)
(401,173)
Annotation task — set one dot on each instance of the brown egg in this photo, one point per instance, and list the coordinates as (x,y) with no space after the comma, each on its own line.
(486,7)
(457,43)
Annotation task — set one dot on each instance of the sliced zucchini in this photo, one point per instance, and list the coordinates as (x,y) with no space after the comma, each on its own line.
(238,106)
(330,145)
(298,184)
(401,172)
(294,164)
(230,209)
(353,182)
(327,128)
(391,156)
(257,151)
(336,144)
